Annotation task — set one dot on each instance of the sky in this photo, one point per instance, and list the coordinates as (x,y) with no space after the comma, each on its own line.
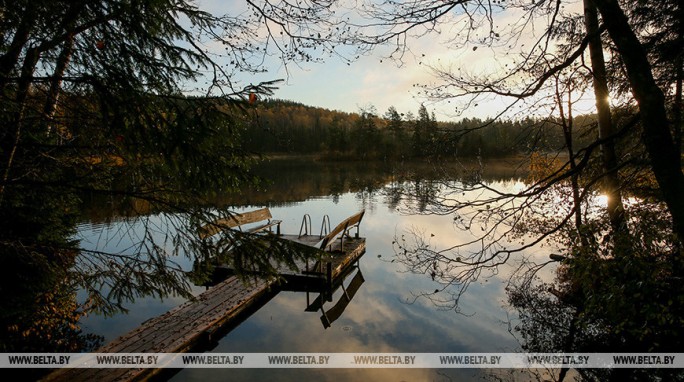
(337,86)
(373,80)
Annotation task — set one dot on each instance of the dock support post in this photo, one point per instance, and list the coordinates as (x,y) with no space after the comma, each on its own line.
(328,276)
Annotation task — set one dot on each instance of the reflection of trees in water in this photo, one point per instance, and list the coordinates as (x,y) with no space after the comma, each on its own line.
(606,298)
(48,289)
(118,134)
(252,256)
(552,321)
(471,198)
(39,310)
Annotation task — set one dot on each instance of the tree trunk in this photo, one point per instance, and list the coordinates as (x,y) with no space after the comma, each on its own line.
(679,63)
(656,133)
(567,126)
(611,181)
(8,61)
(9,147)
(677,115)
(56,83)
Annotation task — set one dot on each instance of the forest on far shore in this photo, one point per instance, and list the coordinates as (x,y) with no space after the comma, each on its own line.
(286,127)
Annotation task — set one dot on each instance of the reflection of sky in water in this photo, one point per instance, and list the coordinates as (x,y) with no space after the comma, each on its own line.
(378,319)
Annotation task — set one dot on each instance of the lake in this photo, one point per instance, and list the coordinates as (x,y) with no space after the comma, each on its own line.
(384,315)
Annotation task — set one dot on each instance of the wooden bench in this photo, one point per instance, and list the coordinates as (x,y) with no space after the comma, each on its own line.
(240,219)
(343,230)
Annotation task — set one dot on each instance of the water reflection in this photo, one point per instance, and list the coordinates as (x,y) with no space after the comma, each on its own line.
(383,315)
(332,314)
(404,299)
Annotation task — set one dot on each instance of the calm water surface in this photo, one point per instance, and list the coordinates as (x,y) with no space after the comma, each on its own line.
(382,316)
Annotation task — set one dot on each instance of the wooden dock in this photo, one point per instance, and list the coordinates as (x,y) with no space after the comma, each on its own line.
(196,323)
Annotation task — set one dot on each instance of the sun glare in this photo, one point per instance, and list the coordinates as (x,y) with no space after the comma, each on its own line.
(602,200)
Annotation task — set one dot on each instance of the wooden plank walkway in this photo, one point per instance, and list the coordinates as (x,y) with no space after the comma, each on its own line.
(193,323)
(340,257)
(176,331)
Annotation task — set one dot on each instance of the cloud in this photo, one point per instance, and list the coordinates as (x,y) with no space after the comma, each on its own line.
(376,80)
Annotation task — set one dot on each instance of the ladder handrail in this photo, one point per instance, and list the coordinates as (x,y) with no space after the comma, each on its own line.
(325,230)
(306,225)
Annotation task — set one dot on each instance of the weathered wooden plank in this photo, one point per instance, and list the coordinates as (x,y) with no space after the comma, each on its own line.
(236,220)
(191,318)
(171,316)
(342,228)
(310,240)
(326,241)
(175,331)
(352,249)
(340,257)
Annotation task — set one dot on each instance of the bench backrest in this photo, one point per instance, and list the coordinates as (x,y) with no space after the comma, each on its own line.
(234,220)
(331,315)
(342,228)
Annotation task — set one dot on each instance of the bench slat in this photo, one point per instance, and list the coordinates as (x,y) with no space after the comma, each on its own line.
(237,220)
(342,228)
